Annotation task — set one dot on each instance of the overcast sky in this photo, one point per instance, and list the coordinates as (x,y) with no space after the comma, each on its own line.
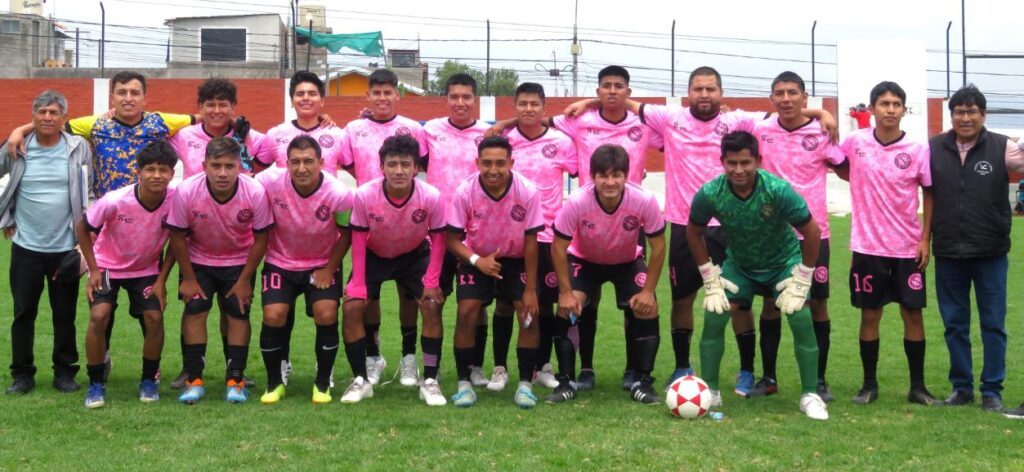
(748,41)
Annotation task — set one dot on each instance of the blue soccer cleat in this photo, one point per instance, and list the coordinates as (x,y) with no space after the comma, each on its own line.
(744,383)
(194,391)
(95,396)
(148,391)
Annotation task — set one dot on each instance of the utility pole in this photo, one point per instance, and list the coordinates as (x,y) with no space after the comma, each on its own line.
(575,50)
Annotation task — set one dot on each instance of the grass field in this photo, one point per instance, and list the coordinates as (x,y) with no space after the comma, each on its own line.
(601,430)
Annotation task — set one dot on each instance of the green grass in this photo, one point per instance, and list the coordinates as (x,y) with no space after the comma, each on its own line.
(602,430)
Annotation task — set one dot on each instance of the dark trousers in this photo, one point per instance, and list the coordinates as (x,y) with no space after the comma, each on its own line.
(29,270)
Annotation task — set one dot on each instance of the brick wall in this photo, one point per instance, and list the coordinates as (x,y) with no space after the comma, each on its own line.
(16,97)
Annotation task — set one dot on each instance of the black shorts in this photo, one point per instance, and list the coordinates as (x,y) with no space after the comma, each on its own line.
(218,281)
(547,281)
(682,269)
(820,283)
(448,272)
(877,280)
(407,270)
(284,286)
(140,295)
(474,285)
(627,278)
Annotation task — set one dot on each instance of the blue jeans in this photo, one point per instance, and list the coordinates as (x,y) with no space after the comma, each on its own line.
(953,278)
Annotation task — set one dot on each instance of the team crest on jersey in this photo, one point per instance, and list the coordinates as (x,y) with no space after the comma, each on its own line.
(419,216)
(630,223)
(767,211)
(902,160)
(915,281)
(640,279)
(983,168)
(821,274)
(478,139)
(402,131)
(551,280)
(325,141)
(809,143)
(323,212)
(518,213)
(244,216)
(721,129)
(549,151)
(635,134)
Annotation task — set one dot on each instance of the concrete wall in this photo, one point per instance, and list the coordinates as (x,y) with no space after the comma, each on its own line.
(19,52)
(265,36)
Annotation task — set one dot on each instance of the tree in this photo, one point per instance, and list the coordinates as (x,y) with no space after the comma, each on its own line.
(503,81)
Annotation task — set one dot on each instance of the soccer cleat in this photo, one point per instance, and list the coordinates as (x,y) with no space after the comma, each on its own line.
(643,390)
(992,403)
(273,396)
(465,397)
(181,381)
(960,397)
(524,397)
(922,396)
(563,392)
(499,378)
(409,373)
(824,392)
(587,380)
(21,386)
(744,383)
(148,391)
(316,368)
(628,379)
(286,371)
(375,366)
(1015,413)
(359,389)
(764,387)
(866,395)
(320,398)
(545,377)
(194,391)
(812,406)
(95,396)
(430,392)
(236,392)
(477,377)
(65,383)
(677,374)
(716,399)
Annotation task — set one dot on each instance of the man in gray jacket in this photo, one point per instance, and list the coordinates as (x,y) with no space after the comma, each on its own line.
(43,199)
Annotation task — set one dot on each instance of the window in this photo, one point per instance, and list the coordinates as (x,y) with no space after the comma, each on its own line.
(223,44)
(10,26)
(404,58)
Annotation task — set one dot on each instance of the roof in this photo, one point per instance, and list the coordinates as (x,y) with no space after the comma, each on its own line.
(169,20)
(366,73)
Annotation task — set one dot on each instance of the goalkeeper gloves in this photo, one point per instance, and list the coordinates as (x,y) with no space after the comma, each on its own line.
(793,290)
(715,287)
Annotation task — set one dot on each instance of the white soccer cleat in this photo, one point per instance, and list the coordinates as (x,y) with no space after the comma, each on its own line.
(375,366)
(716,399)
(430,392)
(545,377)
(477,377)
(359,389)
(286,371)
(813,406)
(409,371)
(499,378)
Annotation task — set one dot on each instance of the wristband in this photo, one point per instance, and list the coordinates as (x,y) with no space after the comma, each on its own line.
(473,259)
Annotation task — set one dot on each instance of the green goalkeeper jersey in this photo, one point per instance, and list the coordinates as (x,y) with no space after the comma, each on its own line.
(759,228)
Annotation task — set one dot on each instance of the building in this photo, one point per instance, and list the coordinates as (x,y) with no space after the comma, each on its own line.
(351,82)
(252,46)
(29,40)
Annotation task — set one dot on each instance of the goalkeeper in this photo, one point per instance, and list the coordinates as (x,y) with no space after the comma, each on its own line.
(758,212)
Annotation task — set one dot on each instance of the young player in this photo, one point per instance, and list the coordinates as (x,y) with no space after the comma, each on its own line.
(890,246)
(305,249)
(758,212)
(127,253)
(602,220)
(798,150)
(219,219)
(392,218)
(496,213)
(360,149)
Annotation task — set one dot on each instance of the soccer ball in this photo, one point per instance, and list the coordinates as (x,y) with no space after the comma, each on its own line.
(688,397)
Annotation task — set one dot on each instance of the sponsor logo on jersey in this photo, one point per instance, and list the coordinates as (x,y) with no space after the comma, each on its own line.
(279,202)
(126,219)
(374,217)
(902,160)
(518,213)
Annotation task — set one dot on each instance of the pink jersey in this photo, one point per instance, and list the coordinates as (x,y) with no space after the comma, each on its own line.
(364,137)
(190,145)
(131,236)
(543,161)
(220,233)
(693,150)
(396,228)
(304,231)
(330,140)
(884,182)
(589,130)
(496,225)
(608,238)
(801,157)
(453,153)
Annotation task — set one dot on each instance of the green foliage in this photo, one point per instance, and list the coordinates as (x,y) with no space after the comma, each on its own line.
(503,81)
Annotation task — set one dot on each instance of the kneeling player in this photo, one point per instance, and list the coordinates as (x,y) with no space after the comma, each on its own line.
(127,254)
(498,213)
(602,220)
(758,212)
(392,217)
(304,254)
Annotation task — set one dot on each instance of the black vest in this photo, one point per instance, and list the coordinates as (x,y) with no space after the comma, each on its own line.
(972,208)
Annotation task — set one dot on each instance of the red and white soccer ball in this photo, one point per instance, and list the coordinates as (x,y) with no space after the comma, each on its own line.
(688,397)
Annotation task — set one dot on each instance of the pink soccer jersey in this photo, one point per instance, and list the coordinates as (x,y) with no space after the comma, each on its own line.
(801,157)
(590,130)
(452,151)
(220,233)
(884,182)
(131,236)
(364,137)
(330,140)
(543,161)
(396,228)
(608,238)
(692,151)
(304,231)
(496,225)
(190,145)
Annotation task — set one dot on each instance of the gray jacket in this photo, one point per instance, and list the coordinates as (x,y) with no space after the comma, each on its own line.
(79,162)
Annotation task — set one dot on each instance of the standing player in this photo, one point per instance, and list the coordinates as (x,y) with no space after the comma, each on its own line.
(497,213)
(758,212)
(392,218)
(219,219)
(798,150)
(305,249)
(127,254)
(602,221)
(890,246)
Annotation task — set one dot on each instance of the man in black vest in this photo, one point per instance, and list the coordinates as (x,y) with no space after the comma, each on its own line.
(970,240)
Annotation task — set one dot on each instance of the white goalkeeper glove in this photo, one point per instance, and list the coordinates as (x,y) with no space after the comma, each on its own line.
(793,290)
(714,288)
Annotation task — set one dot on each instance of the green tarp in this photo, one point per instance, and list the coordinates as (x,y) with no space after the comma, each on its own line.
(370,44)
